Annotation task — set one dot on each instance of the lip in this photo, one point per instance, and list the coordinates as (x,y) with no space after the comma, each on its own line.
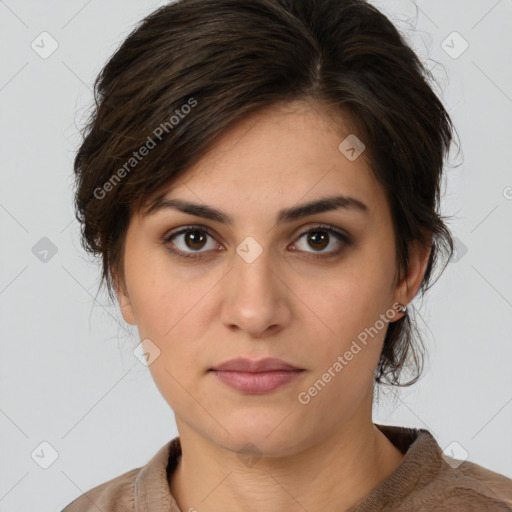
(257,382)
(251,376)
(243,364)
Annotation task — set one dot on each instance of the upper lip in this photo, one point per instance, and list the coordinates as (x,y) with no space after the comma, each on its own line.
(243,364)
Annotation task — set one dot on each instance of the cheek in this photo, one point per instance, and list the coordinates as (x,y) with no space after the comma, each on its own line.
(351,312)
(172,310)
(353,302)
(161,296)
(346,349)
(175,323)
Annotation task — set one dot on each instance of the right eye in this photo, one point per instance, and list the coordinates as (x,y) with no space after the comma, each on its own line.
(190,237)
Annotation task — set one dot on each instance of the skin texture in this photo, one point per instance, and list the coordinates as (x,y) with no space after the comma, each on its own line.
(323,455)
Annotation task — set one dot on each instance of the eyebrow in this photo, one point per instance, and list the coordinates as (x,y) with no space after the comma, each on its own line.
(286,215)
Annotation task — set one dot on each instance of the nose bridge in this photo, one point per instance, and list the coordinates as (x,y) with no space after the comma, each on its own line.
(253,298)
(252,265)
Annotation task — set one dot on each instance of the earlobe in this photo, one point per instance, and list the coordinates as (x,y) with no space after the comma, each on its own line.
(419,255)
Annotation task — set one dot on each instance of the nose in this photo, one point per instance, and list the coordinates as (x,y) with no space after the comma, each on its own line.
(255,296)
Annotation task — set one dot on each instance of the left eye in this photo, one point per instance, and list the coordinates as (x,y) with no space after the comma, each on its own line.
(190,240)
(321,237)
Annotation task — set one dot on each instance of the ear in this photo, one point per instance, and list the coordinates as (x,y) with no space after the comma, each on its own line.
(418,261)
(124,302)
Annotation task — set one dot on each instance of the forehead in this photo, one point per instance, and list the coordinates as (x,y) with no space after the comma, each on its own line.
(299,132)
(276,157)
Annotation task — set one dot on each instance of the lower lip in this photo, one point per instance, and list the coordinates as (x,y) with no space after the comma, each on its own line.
(257,382)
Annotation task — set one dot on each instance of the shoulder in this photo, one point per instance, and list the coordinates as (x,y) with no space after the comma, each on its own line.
(465,486)
(428,480)
(115,495)
(128,491)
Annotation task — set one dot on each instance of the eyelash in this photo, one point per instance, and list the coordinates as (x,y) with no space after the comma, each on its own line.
(342,237)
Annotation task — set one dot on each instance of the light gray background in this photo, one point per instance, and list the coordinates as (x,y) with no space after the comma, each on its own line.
(68,374)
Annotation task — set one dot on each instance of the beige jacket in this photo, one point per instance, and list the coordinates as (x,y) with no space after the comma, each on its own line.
(425,480)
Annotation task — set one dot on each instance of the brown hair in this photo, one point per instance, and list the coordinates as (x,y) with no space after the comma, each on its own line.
(193,68)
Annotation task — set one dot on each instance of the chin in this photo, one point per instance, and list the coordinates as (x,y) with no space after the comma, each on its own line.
(258,439)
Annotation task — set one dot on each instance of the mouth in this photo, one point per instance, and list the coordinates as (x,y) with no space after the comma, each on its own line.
(256,377)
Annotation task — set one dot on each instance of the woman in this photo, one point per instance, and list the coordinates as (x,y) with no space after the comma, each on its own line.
(262,182)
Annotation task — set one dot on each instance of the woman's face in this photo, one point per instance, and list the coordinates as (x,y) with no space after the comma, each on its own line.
(267,284)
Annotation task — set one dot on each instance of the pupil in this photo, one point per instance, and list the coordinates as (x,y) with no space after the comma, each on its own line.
(323,236)
(194,237)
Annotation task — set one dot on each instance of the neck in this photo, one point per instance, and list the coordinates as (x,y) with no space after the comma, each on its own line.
(330,475)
